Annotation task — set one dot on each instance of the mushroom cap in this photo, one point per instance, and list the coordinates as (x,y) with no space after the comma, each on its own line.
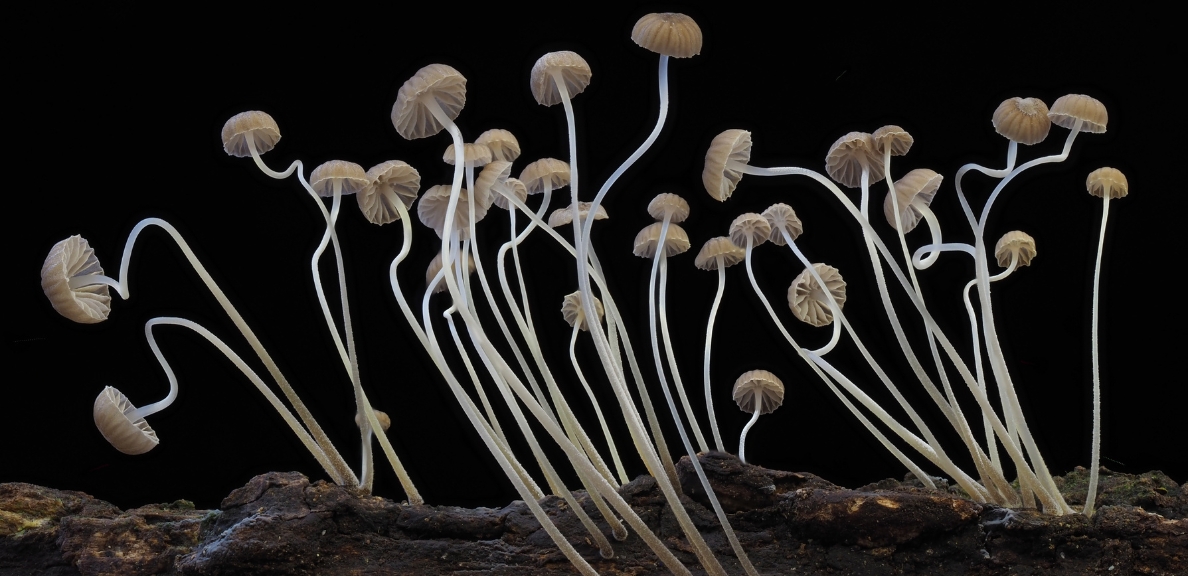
(893,137)
(253,124)
(502,143)
(438,82)
(916,188)
(385,421)
(114,418)
(432,209)
(758,387)
(69,258)
(574,314)
(473,154)
(514,187)
(563,216)
(1022,120)
(568,66)
(435,267)
(808,301)
(749,225)
(672,204)
(668,33)
(849,155)
(731,145)
(718,249)
(675,242)
(1067,109)
(1105,181)
(1014,242)
(351,176)
(549,171)
(389,182)
(782,216)
(492,179)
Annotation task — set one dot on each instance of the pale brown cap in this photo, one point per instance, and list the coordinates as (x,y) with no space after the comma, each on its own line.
(807,300)
(782,216)
(670,203)
(574,314)
(435,267)
(513,186)
(1023,120)
(432,209)
(492,179)
(253,124)
(350,176)
(1072,107)
(916,188)
(572,69)
(848,155)
(1107,181)
(893,137)
(749,225)
(67,259)
(472,154)
(675,242)
(549,171)
(438,82)
(758,387)
(668,33)
(718,249)
(563,216)
(385,421)
(719,180)
(1015,242)
(115,419)
(502,143)
(389,182)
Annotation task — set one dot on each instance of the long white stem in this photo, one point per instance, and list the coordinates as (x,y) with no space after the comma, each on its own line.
(709,338)
(1095,464)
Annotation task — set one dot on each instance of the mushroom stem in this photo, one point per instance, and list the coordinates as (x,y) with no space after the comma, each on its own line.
(610,441)
(742,439)
(1095,464)
(709,338)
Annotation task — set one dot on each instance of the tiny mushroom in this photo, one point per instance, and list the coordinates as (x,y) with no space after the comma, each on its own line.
(432,209)
(1067,110)
(807,299)
(749,228)
(668,34)
(435,90)
(390,182)
(338,176)
(563,216)
(852,154)
(559,68)
(1022,120)
(117,420)
(502,143)
(756,392)
(571,310)
(914,192)
(248,130)
(675,242)
(64,280)
(1107,182)
(1014,246)
(732,147)
(782,218)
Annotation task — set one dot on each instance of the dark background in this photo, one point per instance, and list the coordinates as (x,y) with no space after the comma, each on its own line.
(129,128)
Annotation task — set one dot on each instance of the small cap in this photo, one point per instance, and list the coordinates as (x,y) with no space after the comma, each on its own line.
(546,171)
(1015,242)
(1072,107)
(502,143)
(675,242)
(473,154)
(114,415)
(568,66)
(436,82)
(563,216)
(251,125)
(432,210)
(385,422)
(849,155)
(493,179)
(511,186)
(917,188)
(781,216)
(758,387)
(729,146)
(435,267)
(389,182)
(893,137)
(671,204)
(574,314)
(1023,120)
(808,301)
(749,225)
(1107,181)
(67,259)
(718,250)
(668,33)
(350,176)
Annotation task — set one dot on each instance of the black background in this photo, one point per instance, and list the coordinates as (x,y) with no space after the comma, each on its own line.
(128,128)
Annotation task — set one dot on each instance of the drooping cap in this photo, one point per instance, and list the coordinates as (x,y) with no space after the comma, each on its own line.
(566,67)
(546,171)
(668,33)
(893,137)
(849,155)
(667,203)
(781,216)
(511,186)
(1015,243)
(67,259)
(502,143)
(436,82)
(473,154)
(676,241)
(115,418)
(1072,107)
(720,180)
(916,188)
(574,314)
(758,388)
(1107,182)
(389,182)
(350,177)
(563,216)
(1023,120)
(432,210)
(718,250)
(435,267)
(807,299)
(251,125)
(493,180)
(749,225)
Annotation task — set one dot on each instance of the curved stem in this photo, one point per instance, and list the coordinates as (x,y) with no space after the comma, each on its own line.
(742,439)
(709,338)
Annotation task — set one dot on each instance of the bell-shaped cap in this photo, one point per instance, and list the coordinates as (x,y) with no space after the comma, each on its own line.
(758,388)
(547,171)
(675,206)
(1023,120)
(729,146)
(435,267)
(1014,243)
(676,241)
(917,188)
(473,154)
(1067,109)
(718,252)
(749,225)
(781,216)
(555,67)
(502,143)
(668,33)
(574,314)
(432,210)
(511,186)
(350,176)
(807,299)
(493,180)
(251,125)
(436,82)
(893,137)
(1107,182)
(563,216)
(389,182)
(849,155)
(68,259)
(115,416)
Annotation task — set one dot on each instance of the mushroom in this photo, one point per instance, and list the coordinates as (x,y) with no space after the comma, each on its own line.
(850,157)
(1079,112)
(563,216)
(668,34)
(250,133)
(756,392)
(1015,248)
(502,143)
(69,280)
(913,193)
(431,210)
(429,102)
(728,151)
(1022,120)
(716,254)
(785,224)
(389,183)
(119,422)
(807,299)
